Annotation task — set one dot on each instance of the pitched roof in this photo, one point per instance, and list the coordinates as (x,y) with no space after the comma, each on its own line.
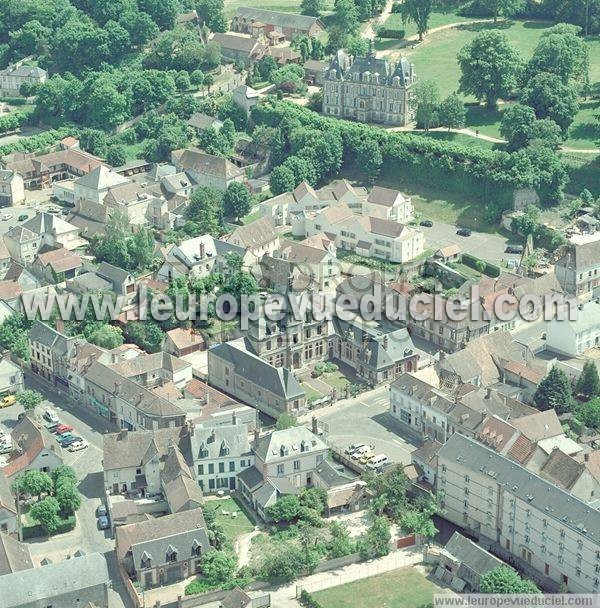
(220,441)
(14,555)
(182,338)
(20,234)
(281,445)
(471,555)
(60,260)
(208,164)
(236,42)
(54,582)
(278,380)
(580,257)
(278,18)
(48,223)
(540,425)
(384,196)
(427,453)
(7,500)
(166,527)
(562,469)
(236,598)
(111,273)
(100,178)
(258,233)
(198,120)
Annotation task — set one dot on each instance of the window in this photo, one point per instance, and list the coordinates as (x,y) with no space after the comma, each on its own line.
(296,465)
(232,466)
(221,467)
(200,469)
(279,469)
(211,468)
(196,549)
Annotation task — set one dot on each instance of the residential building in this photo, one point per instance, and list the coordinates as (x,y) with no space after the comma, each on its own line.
(93,186)
(572,338)
(121,281)
(34,449)
(14,77)
(578,269)
(180,342)
(220,453)
(90,218)
(197,258)
(245,97)
(48,349)
(377,351)
(79,581)
(314,71)
(11,377)
(201,122)
(12,188)
(239,49)
(260,22)
(22,244)
(518,515)
(424,459)
(257,237)
(366,235)
(234,369)
(41,171)
(56,265)
(284,463)
(369,89)
(207,169)
(8,508)
(54,231)
(165,550)
(178,483)
(463,563)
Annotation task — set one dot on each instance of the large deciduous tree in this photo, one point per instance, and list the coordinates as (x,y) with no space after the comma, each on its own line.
(205,210)
(312,8)
(417,11)
(490,67)
(504,579)
(452,112)
(212,12)
(427,98)
(46,513)
(506,8)
(237,200)
(29,399)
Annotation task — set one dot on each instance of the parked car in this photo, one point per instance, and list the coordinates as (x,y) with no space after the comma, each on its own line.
(358,453)
(76,446)
(366,457)
(103,523)
(50,416)
(21,416)
(463,232)
(6,444)
(377,462)
(8,401)
(6,217)
(426,223)
(63,428)
(514,249)
(54,210)
(22,217)
(352,448)
(65,443)
(101,511)
(62,436)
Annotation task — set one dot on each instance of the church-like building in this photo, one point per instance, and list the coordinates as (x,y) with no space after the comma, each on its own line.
(369,89)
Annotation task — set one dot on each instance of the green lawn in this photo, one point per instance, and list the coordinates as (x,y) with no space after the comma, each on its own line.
(394,22)
(311,393)
(232,527)
(336,380)
(459,138)
(404,588)
(134,151)
(251,217)
(290,6)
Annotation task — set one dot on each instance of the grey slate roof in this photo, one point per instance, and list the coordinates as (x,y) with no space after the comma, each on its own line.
(217,440)
(278,18)
(557,504)
(111,273)
(7,500)
(251,477)
(472,556)
(580,257)
(51,582)
(284,444)
(14,556)
(278,380)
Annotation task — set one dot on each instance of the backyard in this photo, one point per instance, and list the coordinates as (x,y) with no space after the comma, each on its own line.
(232,526)
(404,588)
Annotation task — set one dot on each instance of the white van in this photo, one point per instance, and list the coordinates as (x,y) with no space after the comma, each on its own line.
(50,416)
(377,462)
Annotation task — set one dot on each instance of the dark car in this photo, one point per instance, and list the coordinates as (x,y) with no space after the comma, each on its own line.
(426,223)
(67,441)
(514,249)
(103,523)
(22,218)
(101,511)
(463,232)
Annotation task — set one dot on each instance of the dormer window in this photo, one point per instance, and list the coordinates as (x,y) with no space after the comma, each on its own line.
(171,554)
(304,446)
(224,450)
(203,451)
(196,548)
(146,560)
(283,451)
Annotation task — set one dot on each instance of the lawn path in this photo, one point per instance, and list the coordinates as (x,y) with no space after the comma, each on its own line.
(242,547)
(369,31)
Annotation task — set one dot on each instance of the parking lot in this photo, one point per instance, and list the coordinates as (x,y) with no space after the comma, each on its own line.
(489,247)
(87,465)
(366,419)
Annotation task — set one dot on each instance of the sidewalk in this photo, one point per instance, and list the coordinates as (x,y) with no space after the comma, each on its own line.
(285,596)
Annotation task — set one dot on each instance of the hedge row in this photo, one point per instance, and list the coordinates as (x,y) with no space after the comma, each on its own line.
(473,262)
(308,601)
(37,142)
(35,531)
(385,32)
(12,122)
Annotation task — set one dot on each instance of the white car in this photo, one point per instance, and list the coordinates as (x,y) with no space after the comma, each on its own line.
(50,416)
(6,217)
(360,452)
(6,445)
(77,445)
(352,448)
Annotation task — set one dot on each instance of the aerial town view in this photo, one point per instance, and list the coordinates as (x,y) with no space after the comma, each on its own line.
(299,303)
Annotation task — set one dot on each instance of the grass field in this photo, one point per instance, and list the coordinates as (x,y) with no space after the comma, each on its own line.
(232,527)
(405,588)
(290,6)
(394,22)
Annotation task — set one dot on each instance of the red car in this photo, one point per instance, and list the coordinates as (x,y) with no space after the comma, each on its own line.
(63,428)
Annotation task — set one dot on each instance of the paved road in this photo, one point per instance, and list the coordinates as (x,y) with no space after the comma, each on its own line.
(87,464)
(489,247)
(365,419)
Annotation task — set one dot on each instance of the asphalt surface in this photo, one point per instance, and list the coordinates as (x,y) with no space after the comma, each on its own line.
(87,465)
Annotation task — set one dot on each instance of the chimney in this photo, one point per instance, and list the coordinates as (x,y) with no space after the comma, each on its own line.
(586,457)
(122,435)
(442,355)
(315,426)
(233,418)
(488,393)
(202,250)
(385,342)
(59,325)
(256,436)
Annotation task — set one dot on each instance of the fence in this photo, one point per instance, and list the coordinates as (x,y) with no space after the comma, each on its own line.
(393,561)
(191,601)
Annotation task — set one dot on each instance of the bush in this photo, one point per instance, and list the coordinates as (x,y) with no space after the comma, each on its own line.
(36,530)
(384,32)
(307,600)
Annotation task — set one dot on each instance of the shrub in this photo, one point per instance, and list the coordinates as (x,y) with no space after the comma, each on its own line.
(308,601)
(472,262)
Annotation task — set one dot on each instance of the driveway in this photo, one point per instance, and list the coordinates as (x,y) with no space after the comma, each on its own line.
(489,247)
(366,419)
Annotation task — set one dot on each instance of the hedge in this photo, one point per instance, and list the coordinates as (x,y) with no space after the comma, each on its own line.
(473,262)
(37,530)
(308,601)
(385,32)
(37,142)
